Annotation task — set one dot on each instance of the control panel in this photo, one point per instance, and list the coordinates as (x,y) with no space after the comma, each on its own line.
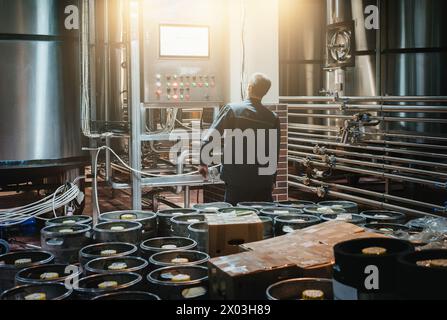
(185,87)
(185,52)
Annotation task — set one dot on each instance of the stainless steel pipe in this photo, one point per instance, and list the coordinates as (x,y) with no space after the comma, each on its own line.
(376,204)
(383,175)
(382,196)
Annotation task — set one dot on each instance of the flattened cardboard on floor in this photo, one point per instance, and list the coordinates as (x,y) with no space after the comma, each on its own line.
(304,253)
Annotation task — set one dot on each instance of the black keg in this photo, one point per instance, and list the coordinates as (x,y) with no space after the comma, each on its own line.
(117,265)
(301,289)
(103,250)
(423,275)
(65,241)
(118,231)
(239,211)
(209,208)
(157,245)
(178,258)
(344,217)
(4,247)
(38,292)
(299,204)
(147,219)
(366,269)
(180,283)
(389,229)
(52,273)
(164,219)
(317,210)
(199,233)
(257,205)
(267,222)
(87,220)
(13,262)
(181,223)
(348,206)
(287,224)
(101,284)
(276,212)
(127,296)
(384,217)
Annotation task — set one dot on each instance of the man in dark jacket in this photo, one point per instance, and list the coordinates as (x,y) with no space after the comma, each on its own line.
(252,133)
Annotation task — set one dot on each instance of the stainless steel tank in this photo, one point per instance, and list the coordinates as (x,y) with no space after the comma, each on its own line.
(39,86)
(414,56)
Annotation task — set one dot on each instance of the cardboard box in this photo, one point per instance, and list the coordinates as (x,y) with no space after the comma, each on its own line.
(227,232)
(306,253)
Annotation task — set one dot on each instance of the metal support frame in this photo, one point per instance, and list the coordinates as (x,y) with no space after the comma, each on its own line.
(135,101)
(138,135)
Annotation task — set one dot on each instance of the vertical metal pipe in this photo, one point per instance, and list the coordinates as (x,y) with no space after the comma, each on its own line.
(187,197)
(135,103)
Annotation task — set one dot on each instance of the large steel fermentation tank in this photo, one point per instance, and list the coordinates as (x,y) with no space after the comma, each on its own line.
(39,90)
(414,56)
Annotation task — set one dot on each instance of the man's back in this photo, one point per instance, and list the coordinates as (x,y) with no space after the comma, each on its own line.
(253,120)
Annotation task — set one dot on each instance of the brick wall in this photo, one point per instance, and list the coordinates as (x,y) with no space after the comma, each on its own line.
(281,193)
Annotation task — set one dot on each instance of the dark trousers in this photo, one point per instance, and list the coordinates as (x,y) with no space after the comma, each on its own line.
(234,195)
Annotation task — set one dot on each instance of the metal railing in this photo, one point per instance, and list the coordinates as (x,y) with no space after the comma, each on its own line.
(373,151)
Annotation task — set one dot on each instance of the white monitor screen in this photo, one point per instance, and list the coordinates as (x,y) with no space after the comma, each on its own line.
(184,41)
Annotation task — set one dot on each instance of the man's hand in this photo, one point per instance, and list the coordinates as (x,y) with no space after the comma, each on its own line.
(203,170)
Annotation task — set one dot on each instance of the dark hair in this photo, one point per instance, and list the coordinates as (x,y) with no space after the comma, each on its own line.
(261,84)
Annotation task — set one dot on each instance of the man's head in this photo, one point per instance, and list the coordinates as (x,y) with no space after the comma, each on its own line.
(258,86)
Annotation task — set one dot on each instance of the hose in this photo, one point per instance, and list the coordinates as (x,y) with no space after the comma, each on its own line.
(63,196)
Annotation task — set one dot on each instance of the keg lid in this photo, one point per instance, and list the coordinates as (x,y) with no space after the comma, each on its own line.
(180,261)
(374,251)
(117,266)
(313,295)
(108,284)
(69,220)
(181,278)
(23,262)
(49,276)
(211,207)
(128,216)
(436,263)
(36,297)
(108,253)
(38,292)
(169,247)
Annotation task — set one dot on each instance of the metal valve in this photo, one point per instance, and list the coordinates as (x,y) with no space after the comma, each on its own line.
(322,191)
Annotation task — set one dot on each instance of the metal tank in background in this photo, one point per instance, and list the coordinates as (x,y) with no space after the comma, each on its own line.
(39,91)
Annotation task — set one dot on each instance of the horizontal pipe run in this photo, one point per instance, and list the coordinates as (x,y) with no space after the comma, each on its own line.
(376,157)
(369,148)
(390,143)
(379,195)
(378,99)
(382,134)
(383,119)
(374,108)
(406,144)
(374,165)
(376,204)
(383,175)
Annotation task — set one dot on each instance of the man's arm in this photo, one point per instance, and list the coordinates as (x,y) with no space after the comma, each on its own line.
(224,121)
